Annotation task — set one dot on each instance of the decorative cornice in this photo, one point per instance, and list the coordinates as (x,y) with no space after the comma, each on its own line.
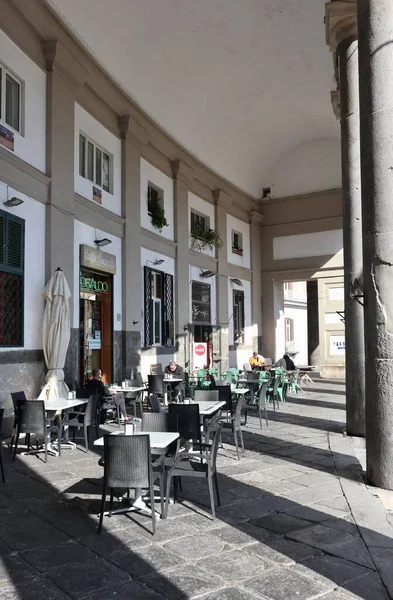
(181,171)
(255,217)
(221,198)
(335,99)
(130,129)
(340,22)
(59,60)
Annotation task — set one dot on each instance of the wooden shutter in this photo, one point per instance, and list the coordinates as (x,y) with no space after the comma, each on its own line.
(148,312)
(2,239)
(167,317)
(14,248)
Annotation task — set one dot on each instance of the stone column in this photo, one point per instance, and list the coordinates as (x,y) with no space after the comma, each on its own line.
(223,203)
(64,76)
(375,18)
(134,138)
(182,175)
(255,220)
(341,23)
(272,319)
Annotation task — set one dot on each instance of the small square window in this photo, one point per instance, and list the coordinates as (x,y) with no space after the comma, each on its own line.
(155,196)
(199,223)
(94,163)
(237,243)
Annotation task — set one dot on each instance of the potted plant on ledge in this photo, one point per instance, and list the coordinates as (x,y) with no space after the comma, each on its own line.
(205,239)
(155,210)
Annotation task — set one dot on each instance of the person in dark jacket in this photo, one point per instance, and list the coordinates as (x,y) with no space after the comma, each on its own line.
(286,363)
(176,371)
(106,395)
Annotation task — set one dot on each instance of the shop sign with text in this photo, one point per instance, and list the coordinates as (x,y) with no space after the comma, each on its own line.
(92,284)
(94,258)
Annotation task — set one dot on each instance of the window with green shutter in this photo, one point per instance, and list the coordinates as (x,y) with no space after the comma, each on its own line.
(12,234)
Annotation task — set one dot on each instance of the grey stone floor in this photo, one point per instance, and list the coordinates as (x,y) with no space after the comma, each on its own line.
(296,522)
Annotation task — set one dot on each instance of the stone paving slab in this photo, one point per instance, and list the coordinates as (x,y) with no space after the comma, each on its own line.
(296,522)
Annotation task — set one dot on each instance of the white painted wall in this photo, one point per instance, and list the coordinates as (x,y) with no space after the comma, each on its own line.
(279,321)
(86,124)
(242,227)
(205,208)
(84,234)
(150,174)
(299,316)
(322,243)
(31,145)
(311,167)
(33,213)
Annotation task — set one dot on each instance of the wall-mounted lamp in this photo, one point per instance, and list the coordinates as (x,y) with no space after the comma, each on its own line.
(14,201)
(156,262)
(135,322)
(207,274)
(237,281)
(103,242)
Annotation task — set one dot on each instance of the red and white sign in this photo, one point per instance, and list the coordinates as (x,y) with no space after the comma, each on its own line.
(199,355)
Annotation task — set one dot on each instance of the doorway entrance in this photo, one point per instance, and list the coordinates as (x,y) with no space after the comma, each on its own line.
(96,325)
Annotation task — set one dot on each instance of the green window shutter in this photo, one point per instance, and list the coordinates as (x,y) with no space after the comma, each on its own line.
(15,245)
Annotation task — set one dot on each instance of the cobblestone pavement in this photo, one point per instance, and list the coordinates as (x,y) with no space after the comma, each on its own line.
(296,522)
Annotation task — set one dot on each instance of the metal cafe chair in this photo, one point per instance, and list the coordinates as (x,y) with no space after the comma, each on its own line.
(32,420)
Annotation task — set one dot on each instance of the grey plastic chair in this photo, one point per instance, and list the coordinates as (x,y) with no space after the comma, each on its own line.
(262,403)
(85,418)
(17,399)
(206,395)
(32,420)
(155,422)
(236,425)
(134,399)
(155,403)
(127,464)
(187,465)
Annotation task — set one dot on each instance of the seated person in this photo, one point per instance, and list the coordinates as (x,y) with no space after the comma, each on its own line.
(177,372)
(286,363)
(106,395)
(256,361)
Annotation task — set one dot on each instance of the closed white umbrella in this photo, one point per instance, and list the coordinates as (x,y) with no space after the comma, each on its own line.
(56,334)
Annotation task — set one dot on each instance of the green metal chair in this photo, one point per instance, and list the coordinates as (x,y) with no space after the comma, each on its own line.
(293,383)
(272,391)
(201,379)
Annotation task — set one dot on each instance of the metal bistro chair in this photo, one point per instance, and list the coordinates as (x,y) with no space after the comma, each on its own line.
(17,398)
(86,417)
(272,390)
(127,464)
(1,444)
(186,465)
(32,419)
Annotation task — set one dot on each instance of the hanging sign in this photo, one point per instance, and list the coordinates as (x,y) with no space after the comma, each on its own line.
(92,284)
(96,259)
(199,355)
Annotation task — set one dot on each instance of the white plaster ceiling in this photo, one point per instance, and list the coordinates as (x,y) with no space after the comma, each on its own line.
(239,83)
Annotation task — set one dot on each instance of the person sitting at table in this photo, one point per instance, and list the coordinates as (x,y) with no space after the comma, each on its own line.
(106,395)
(286,363)
(256,361)
(176,371)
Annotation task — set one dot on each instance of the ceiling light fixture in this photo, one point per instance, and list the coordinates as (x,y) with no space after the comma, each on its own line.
(159,261)
(14,201)
(103,242)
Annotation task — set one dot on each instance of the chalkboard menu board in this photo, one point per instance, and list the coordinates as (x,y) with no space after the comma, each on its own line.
(200,302)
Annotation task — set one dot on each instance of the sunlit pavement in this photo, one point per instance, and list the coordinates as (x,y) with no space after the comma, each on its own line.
(296,522)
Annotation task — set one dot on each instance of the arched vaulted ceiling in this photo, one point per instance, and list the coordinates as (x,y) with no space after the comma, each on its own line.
(239,83)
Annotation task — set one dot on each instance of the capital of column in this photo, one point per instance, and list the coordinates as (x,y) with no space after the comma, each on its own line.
(130,129)
(181,171)
(221,198)
(340,22)
(255,217)
(335,100)
(60,60)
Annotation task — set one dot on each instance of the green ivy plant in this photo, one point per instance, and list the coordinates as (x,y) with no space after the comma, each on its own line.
(206,238)
(155,210)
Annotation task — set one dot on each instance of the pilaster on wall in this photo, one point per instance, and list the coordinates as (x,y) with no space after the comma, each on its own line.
(134,138)
(223,203)
(256,219)
(65,75)
(183,175)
